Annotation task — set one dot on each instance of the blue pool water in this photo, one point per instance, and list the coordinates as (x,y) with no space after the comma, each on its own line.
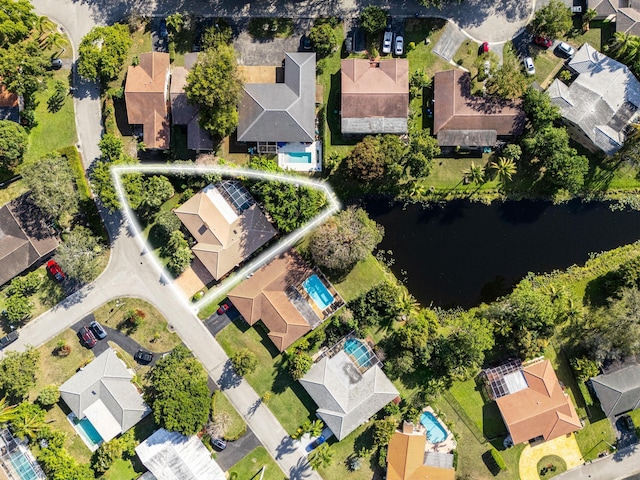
(359,351)
(89,430)
(298,157)
(435,431)
(22,466)
(318,292)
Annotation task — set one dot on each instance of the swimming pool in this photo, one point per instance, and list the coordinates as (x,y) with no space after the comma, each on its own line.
(23,467)
(298,157)
(318,292)
(90,433)
(359,351)
(435,431)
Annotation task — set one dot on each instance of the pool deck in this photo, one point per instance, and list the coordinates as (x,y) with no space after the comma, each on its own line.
(87,441)
(314,148)
(448,445)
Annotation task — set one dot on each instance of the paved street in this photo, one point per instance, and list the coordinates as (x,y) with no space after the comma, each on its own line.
(620,465)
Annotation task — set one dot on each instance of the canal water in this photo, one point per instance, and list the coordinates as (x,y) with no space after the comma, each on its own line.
(466,253)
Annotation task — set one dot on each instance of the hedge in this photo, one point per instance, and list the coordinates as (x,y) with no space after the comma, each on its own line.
(500,463)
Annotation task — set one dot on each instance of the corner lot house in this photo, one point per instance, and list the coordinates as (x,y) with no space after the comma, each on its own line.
(25,237)
(408,460)
(618,391)
(172,456)
(348,385)
(227,224)
(103,400)
(287,296)
(532,403)
(375,96)
(600,103)
(146,94)
(182,112)
(468,121)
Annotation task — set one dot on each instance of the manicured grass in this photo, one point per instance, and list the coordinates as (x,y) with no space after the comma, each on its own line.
(546,63)
(54,130)
(290,403)
(635,416)
(237,426)
(364,276)
(348,447)
(130,469)
(250,467)
(121,470)
(556,463)
(48,295)
(152,334)
(485,415)
(595,438)
(12,191)
(420,31)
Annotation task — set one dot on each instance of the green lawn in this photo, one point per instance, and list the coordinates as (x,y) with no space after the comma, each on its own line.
(54,130)
(346,448)
(595,438)
(485,415)
(237,427)
(556,463)
(424,33)
(364,276)
(12,191)
(250,467)
(290,403)
(132,468)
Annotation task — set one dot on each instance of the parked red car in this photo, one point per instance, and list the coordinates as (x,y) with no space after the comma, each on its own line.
(54,269)
(542,41)
(484,47)
(87,337)
(223,308)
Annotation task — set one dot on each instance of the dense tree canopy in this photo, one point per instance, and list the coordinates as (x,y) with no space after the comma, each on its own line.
(377,161)
(18,374)
(79,254)
(507,81)
(52,185)
(179,392)
(373,19)
(102,52)
(16,20)
(344,240)
(13,143)
(214,84)
(539,108)
(323,38)
(244,362)
(553,20)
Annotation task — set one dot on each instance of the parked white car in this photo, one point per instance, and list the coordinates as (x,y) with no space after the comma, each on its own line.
(386,42)
(529,66)
(399,45)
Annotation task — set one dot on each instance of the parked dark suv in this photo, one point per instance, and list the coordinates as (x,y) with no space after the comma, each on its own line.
(627,421)
(12,337)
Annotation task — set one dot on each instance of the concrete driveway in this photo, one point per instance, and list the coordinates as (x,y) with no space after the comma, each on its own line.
(565,447)
(237,450)
(624,436)
(215,323)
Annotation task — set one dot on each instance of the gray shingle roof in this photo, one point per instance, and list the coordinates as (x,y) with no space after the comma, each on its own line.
(601,101)
(618,392)
(345,397)
(281,112)
(107,379)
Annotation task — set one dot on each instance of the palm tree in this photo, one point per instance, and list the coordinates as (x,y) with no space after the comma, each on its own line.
(175,22)
(7,412)
(55,40)
(407,304)
(316,428)
(625,46)
(505,168)
(27,425)
(44,26)
(474,174)
(321,457)
(417,189)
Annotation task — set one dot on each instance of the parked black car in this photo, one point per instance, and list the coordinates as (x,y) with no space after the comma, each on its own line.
(143,357)
(6,340)
(627,421)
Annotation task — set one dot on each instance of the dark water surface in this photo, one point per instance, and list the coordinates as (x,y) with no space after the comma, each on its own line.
(466,253)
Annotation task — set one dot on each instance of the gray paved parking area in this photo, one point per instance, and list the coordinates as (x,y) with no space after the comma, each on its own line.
(251,51)
(449,42)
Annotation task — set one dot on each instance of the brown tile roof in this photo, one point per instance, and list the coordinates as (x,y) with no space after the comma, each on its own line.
(145,94)
(375,89)
(225,238)
(263,297)
(25,237)
(7,98)
(405,459)
(456,109)
(541,410)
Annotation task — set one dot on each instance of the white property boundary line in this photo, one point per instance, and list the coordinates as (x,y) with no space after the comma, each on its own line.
(262,259)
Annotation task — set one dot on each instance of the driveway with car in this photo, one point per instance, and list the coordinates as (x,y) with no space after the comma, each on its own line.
(625,431)
(216,322)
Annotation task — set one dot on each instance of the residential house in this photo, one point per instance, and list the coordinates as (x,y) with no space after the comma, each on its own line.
(172,456)
(184,113)
(348,385)
(625,13)
(11,105)
(375,96)
(532,402)
(26,236)
(146,95)
(281,112)
(275,295)
(600,103)
(103,394)
(618,391)
(227,225)
(461,119)
(407,458)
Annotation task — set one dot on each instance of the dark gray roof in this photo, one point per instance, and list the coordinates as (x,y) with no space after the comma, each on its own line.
(281,112)
(618,392)
(346,398)
(467,138)
(25,237)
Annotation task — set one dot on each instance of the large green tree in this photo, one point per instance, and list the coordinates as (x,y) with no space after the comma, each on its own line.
(102,52)
(79,254)
(16,20)
(179,392)
(553,20)
(507,81)
(344,240)
(52,185)
(18,374)
(373,19)
(13,143)
(377,162)
(214,84)
(539,108)
(323,38)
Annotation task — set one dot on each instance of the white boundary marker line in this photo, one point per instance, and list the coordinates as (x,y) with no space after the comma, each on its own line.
(262,259)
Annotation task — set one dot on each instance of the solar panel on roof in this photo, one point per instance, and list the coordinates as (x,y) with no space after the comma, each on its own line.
(236,194)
